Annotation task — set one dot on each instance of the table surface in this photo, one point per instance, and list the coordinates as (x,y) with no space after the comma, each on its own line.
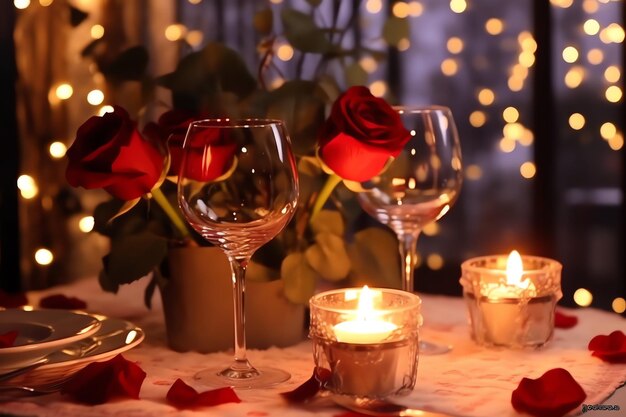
(469,381)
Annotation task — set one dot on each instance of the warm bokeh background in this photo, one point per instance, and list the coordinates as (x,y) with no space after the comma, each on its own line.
(536,88)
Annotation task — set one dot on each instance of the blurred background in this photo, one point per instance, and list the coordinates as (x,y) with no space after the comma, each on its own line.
(536,88)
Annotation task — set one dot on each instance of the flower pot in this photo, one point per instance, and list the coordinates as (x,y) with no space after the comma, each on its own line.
(198,306)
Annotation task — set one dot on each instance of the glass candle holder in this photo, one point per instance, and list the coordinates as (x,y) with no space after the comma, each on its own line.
(512,316)
(367,339)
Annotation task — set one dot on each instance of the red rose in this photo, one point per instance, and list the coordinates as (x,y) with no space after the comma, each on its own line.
(110,153)
(170,130)
(210,151)
(360,135)
(552,395)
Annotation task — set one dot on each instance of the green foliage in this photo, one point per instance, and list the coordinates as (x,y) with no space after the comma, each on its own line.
(298,277)
(303,33)
(374,257)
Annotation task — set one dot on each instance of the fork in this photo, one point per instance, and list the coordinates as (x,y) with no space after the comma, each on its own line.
(18,391)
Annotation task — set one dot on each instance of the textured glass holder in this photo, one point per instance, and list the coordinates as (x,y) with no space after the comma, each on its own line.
(378,363)
(524,320)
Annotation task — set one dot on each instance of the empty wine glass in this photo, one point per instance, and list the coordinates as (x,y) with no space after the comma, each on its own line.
(419,186)
(238,187)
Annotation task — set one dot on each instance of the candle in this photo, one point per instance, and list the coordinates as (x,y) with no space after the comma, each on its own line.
(366,327)
(367,338)
(512,307)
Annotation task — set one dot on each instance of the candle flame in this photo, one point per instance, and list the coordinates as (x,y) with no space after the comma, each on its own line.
(515,271)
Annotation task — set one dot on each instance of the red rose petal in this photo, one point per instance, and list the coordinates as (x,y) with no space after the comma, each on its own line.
(611,348)
(309,388)
(181,395)
(60,301)
(351,414)
(552,395)
(564,321)
(8,339)
(100,382)
(12,300)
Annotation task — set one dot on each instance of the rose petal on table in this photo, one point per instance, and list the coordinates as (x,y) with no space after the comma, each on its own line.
(100,382)
(552,395)
(8,339)
(353,414)
(564,321)
(62,302)
(12,300)
(309,388)
(181,395)
(611,348)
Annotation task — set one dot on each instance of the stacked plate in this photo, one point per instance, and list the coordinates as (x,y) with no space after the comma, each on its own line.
(61,341)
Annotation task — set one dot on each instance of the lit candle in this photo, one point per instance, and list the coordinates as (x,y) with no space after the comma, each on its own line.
(515,286)
(367,339)
(512,307)
(366,328)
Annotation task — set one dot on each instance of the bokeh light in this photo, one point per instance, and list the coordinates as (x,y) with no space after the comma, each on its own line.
(86,224)
(619,305)
(576,121)
(27,186)
(583,297)
(57,149)
(486,96)
(510,115)
(43,256)
(477,118)
(528,170)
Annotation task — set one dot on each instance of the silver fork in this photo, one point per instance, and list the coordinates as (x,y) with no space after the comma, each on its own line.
(19,391)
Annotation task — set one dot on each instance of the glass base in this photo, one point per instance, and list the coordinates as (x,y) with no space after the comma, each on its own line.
(430,348)
(256,378)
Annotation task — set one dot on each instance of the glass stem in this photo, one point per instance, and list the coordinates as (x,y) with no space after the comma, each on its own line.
(408,253)
(241,367)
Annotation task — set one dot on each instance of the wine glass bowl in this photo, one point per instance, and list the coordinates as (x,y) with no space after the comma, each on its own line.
(238,188)
(420,184)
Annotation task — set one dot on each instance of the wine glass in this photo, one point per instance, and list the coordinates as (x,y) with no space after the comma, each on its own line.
(419,186)
(238,188)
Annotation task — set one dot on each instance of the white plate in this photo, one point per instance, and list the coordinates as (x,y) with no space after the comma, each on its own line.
(115,336)
(41,332)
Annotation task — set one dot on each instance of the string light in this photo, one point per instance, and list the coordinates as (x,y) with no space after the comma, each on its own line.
(616,142)
(194,38)
(528,170)
(591,27)
(576,121)
(97,31)
(455,45)
(486,97)
(64,91)
(373,6)
(415,9)
(590,6)
(434,261)
(284,52)
(431,229)
(57,149)
(403,44)
(369,64)
(95,97)
(175,32)
(21,4)
(595,56)
(613,94)
(449,67)
(105,109)
(510,115)
(608,130)
(194,2)
(43,256)
(27,186)
(45,3)
(564,4)
(612,74)
(378,88)
(473,172)
(494,26)
(513,130)
(458,6)
(400,9)
(574,76)
(570,54)
(619,305)
(507,145)
(86,224)
(478,118)
(583,297)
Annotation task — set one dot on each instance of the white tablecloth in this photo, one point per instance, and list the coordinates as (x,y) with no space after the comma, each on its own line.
(469,381)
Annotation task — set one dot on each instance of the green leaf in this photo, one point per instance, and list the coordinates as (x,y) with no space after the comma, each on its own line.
(395,30)
(202,76)
(375,258)
(263,21)
(131,64)
(328,256)
(261,273)
(106,282)
(302,32)
(355,74)
(298,277)
(328,221)
(134,256)
(301,105)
